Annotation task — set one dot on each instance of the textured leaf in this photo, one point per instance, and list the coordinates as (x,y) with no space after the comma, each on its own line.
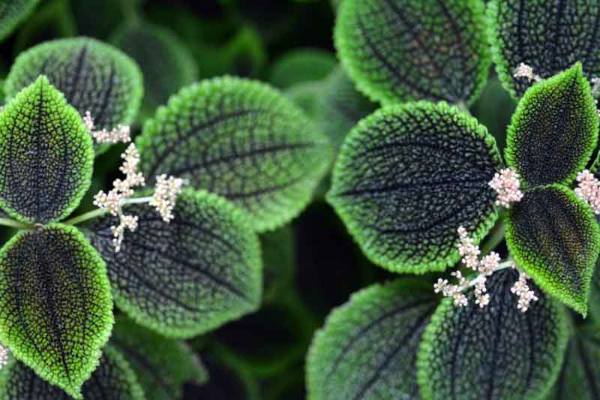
(301,65)
(399,50)
(554,130)
(12,13)
(554,237)
(55,304)
(46,155)
(407,177)
(242,140)
(496,352)
(549,36)
(367,349)
(580,374)
(188,276)
(166,63)
(162,365)
(113,379)
(93,76)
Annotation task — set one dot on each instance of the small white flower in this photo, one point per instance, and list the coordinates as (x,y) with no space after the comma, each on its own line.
(526,71)
(523,292)
(588,189)
(120,133)
(507,186)
(165,194)
(4,356)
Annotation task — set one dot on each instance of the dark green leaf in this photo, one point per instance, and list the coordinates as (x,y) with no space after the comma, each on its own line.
(113,379)
(496,352)
(580,374)
(12,13)
(162,365)
(166,63)
(399,50)
(188,276)
(368,347)
(93,76)
(46,155)
(240,139)
(278,251)
(554,130)
(549,36)
(55,304)
(553,235)
(407,177)
(301,65)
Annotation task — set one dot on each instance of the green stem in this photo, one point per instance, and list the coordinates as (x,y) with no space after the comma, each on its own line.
(15,224)
(98,212)
(496,237)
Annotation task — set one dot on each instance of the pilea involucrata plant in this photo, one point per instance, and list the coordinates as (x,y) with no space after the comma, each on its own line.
(423,188)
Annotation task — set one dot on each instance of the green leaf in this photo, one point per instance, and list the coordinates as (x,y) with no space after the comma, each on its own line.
(400,50)
(55,304)
(113,379)
(301,65)
(166,63)
(553,235)
(240,139)
(580,374)
(554,130)
(407,177)
(368,347)
(12,13)
(188,276)
(496,352)
(278,254)
(162,365)
(549,36)
(93,76)
(46,155)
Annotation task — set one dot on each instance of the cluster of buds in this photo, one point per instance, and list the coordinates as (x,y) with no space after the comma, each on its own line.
(588,189)
(4,356)
(526,71)
(484,266)
(507,186)
(119,134)
(165,194)
(595,86)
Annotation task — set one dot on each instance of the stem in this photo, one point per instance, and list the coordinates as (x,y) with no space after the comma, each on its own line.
(508,263)
(98,212)
(494,239)
(14,224)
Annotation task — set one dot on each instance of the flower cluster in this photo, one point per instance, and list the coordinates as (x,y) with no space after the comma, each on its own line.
(588,189)
(507,186)
(120,133)
(165,193)
(4,356)
(484,267)
(526,71)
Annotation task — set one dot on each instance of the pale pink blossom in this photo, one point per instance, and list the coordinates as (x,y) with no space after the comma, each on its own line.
(507,186)
(588,189)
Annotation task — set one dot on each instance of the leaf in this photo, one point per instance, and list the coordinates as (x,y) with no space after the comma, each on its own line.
(402,50)
(496,352)
(278,254)
(554,237)
(554,130)
(186,277)
(580,374)
(112,380)
(93,76)
(367,349)
(162,365)
(242,140)
(407,177)
(55,304)
(549,36)
(46,155)
(166,63)
(301,65)
(12,13)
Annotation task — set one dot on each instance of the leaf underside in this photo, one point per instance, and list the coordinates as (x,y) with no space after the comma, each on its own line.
(93,76)
(55,304)
(187,276)
(554,130)
(549,36)
(46,155)
(407,177)
(368,347)
(242,140)
(301,65)
(113,379)
(496,352)
(162,365)
(401,50)
(167,65)
(12,13)
(553,235)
